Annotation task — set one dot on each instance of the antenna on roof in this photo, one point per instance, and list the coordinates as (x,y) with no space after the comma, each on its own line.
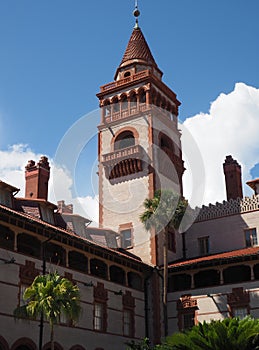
(136,14)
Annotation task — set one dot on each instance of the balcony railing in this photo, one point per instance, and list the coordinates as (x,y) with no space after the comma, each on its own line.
(116,156)
(119,83)
(114,116)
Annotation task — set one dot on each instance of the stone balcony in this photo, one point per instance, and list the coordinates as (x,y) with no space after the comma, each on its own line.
(121,154)
(130,112)
(123,162)
(121,82)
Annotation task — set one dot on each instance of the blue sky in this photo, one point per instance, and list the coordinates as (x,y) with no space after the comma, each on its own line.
(56,54)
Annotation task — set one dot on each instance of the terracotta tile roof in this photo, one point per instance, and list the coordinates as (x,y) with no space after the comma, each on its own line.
(217,257)
(9,187)
(69,233)
(138,49)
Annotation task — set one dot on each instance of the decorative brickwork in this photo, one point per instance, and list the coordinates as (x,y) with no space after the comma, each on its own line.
(232,207)
(187,311)
(128,300)
(28,272)
(238,297)
(186,302)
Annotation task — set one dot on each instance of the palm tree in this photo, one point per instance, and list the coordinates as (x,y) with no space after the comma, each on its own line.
(229,334)
(164,212)
(52,296)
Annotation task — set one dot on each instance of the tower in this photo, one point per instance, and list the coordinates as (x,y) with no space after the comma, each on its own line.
(139,145)
(232,171)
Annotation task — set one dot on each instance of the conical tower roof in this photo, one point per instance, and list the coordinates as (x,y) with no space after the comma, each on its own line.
(138,49)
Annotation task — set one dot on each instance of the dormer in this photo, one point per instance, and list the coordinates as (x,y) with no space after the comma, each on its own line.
(7,193)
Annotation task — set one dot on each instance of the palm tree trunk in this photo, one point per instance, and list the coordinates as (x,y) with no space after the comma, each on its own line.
(52,347)
(165,280)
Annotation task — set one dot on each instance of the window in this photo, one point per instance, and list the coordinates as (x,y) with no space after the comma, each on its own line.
(187,308)
(124,139)
(171,240)
(98,268)
(23,287)
(188,320)
(251,237)
(142,97)
(126,240)
(203,245)
(128,302)
(124,102)
(238,302)
(98,316)
(6,238)
(240,312)
(127,323)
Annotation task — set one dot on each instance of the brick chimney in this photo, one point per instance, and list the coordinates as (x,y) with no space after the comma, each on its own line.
(37,179)
(65,208)
(232,171)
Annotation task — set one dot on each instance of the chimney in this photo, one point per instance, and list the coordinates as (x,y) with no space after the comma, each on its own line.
(232,171)
(37,178)
(65,208)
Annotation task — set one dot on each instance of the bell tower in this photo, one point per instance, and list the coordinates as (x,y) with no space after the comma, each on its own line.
(139,145)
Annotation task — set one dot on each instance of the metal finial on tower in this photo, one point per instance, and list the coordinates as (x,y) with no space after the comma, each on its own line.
(136,13)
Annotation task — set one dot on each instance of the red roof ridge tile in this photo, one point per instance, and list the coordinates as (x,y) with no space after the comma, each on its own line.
(223,255)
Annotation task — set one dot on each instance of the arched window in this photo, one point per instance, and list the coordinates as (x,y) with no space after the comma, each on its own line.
(179,282)
(142,96)
(237,274)
(98,268)
(133,100)
(3,344)
(166,143)
(77,261)
(124,139)
(134,280)
(6,238)
(256,271)
(124,103)
(117,274)
(107,108)
(24,344)
(115,105)
(55,254)
(206,278)
(28,244)
(127,74)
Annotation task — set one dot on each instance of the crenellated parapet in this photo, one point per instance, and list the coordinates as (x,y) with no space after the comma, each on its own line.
(226,208)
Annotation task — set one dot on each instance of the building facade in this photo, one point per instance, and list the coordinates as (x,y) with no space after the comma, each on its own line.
(213,266)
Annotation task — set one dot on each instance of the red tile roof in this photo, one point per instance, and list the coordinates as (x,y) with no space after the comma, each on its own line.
(9,187)
(138,49)
(69,233)
(215,257)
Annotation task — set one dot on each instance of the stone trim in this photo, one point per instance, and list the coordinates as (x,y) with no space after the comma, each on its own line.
(226,208)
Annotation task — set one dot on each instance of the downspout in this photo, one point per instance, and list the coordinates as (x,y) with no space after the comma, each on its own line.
(147,303)
(184,245)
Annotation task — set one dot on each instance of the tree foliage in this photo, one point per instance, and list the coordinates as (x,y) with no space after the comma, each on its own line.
(144,344)
(228,334)
(52,296)
(165,210)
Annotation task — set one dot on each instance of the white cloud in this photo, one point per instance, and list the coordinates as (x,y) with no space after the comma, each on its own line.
(12,171)
(12,164)
(230,128)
